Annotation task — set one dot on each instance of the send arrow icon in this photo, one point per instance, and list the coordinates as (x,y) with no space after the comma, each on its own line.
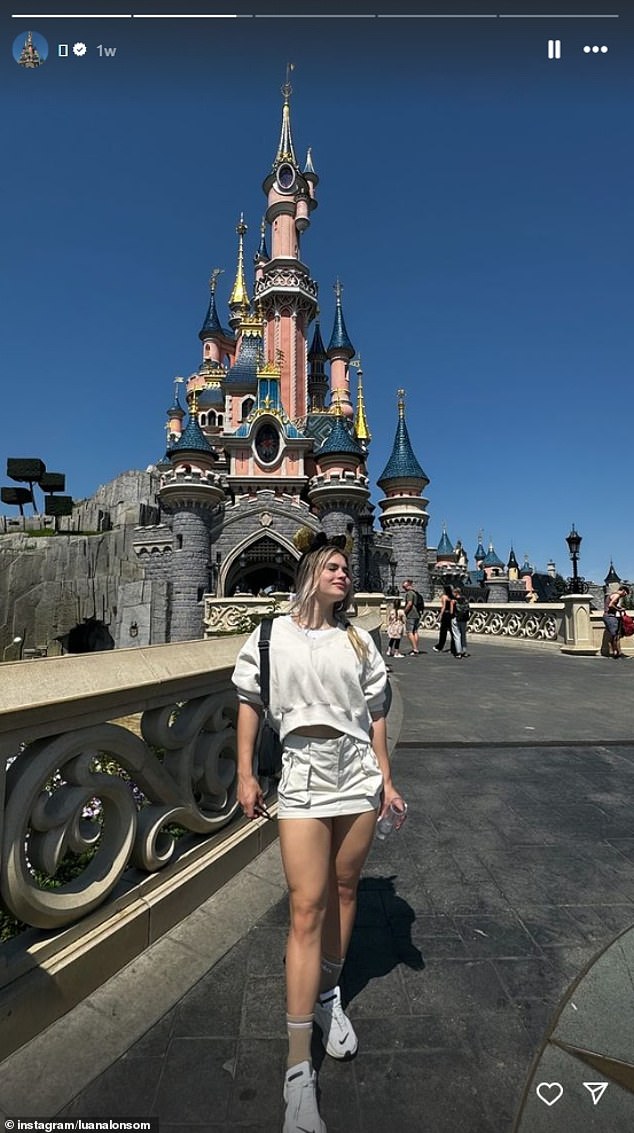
(596,1089)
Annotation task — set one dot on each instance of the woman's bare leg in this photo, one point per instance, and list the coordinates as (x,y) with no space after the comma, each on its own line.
(305,845)
(352,836)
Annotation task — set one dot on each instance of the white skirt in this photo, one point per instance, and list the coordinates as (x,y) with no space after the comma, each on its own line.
(322,778)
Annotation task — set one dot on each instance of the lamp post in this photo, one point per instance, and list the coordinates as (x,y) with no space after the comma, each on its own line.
(393,563)
(16,641)
(576,585)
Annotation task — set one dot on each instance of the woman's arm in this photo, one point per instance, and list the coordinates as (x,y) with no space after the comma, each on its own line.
(250,794)
(379,747)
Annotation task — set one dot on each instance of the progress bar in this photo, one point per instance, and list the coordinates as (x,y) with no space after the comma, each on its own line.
(309,16)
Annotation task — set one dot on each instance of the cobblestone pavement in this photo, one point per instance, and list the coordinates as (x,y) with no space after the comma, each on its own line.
(514,869)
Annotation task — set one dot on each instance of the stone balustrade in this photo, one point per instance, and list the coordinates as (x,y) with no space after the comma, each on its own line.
(77,786)
(539,621)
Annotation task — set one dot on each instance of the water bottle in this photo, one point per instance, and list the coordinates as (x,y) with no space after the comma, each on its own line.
(393,819)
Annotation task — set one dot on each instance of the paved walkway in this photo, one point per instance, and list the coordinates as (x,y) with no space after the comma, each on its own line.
(514,871)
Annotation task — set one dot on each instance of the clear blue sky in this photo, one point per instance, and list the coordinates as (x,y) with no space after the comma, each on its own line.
(475,199)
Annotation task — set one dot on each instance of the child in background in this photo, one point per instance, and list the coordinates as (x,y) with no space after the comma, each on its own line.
(395,629)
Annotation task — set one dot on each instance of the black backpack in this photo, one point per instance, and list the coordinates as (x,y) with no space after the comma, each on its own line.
(462,608)
(419,601)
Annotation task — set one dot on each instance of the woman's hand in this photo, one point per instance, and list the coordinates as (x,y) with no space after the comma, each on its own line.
(250,796)
(389,795)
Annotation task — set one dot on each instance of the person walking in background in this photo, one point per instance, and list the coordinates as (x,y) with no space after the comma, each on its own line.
(395,629)
(412,611)
(612,611)
(327,690)
(459,622)
(447,603)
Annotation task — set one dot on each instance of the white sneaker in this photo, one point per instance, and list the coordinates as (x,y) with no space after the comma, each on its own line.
(337,1031)
(302,1114)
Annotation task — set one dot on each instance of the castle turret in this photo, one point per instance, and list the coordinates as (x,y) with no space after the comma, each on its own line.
(217,340)
(190,491)
(317,376)
(175,416)
(612,579)
(513,567)
(340,352)
(339,490)
(404,516)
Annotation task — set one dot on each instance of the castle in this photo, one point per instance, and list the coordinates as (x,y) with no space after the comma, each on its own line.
(270,446)
(273,448)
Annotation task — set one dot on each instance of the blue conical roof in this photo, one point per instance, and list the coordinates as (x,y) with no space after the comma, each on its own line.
(611,576)
(512,563)
(491,559)
(249,358)
(445,546)
(262,252)
(339,340)
(340,440)
(317,351)
(176,410)
(480,552)
(402,463)
(192,439)
(212,324)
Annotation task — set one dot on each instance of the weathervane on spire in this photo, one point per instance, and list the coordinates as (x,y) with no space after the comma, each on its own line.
(213,280)
(287,89)
(177,382)
(338,289)
(400,393)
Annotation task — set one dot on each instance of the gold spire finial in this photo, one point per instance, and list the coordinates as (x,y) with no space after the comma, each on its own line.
(338,289)
(239,297)
(401,402)
(361,426)
(194,404)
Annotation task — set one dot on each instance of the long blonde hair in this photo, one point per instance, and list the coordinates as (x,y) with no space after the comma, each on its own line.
(303,608)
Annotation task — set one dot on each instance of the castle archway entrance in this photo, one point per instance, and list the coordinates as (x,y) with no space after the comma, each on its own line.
(262,566)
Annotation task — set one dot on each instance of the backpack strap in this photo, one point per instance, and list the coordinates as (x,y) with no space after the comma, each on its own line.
(264,644)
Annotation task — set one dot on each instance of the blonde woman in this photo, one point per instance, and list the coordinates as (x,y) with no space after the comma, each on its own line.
(327,687)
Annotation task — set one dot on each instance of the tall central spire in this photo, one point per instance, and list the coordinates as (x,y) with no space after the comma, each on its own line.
(286,149)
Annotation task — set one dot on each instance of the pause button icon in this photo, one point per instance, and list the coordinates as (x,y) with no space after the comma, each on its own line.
(554,49)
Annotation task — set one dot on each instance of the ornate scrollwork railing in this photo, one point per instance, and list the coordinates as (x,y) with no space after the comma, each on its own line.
(528,622)
(59,803)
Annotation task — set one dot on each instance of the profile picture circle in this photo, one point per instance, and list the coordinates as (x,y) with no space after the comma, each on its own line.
(30,49)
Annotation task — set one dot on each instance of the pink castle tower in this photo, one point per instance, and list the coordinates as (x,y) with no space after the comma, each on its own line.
(284,290)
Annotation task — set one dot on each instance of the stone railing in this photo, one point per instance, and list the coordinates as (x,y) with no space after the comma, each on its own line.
(104,759)
(81,789)
(539,621)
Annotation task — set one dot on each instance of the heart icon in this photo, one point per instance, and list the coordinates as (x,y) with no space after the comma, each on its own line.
(549,1092)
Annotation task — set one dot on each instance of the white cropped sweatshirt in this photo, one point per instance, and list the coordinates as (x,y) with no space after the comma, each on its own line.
(316,678)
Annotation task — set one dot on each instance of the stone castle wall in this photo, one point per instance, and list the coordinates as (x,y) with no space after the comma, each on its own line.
(50,584)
